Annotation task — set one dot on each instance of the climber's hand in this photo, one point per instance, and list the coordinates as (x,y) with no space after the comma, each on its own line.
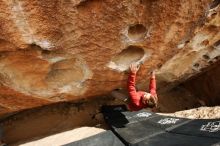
(134,68)
(152,74)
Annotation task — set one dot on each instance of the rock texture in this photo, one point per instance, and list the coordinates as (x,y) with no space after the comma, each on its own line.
(206,86)
(198,113)
(61,50)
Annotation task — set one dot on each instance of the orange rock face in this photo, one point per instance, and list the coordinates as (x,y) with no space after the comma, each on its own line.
(56,50)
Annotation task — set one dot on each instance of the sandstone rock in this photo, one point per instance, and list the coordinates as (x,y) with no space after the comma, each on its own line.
(198,113)
(54,50)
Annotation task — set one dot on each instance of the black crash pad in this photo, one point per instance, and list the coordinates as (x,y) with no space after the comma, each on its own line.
(171,139)
(118,117)
(166,122)
(106,138)
(133,127)
(138,127)
(114,117)
(136,132)
(200,127)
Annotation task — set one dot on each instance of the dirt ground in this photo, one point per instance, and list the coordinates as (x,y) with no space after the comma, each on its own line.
(65,137)
(198,113)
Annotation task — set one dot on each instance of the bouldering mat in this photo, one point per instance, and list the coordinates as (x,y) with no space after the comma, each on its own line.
(172,139)
(145,127)
(200,127)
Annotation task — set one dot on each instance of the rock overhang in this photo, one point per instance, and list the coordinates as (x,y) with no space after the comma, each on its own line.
(68,50)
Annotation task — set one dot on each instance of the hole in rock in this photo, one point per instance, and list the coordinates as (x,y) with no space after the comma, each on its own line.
(83,3)
(126,57)
(187,41)
(217,44)
(205,42)
(65,72)
(206,57)
(196,65)
(211,62)
(159,65)
(217,58)
(137,32)
(213,15)
(214,4)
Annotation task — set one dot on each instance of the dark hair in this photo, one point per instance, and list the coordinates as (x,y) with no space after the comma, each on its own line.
(152,102)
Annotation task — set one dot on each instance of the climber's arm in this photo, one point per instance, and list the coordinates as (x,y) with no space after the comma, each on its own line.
(152,85)
(131,85)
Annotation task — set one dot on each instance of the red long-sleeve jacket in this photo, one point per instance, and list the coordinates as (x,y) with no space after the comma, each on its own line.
(136,96)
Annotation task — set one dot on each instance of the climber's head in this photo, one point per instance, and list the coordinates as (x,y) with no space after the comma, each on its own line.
(149,100)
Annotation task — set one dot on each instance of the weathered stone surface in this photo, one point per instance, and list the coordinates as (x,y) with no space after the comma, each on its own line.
(199,52)
(56,50)
(198,113)
(206,86)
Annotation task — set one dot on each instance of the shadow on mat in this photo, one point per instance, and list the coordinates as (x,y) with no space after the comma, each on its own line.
(113,114)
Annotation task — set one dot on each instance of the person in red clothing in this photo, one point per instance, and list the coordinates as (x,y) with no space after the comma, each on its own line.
(141,99)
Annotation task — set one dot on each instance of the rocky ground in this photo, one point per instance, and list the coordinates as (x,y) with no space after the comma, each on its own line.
(198,113)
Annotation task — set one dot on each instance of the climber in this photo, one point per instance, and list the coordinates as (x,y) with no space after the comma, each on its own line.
(137,100)
(141,99)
